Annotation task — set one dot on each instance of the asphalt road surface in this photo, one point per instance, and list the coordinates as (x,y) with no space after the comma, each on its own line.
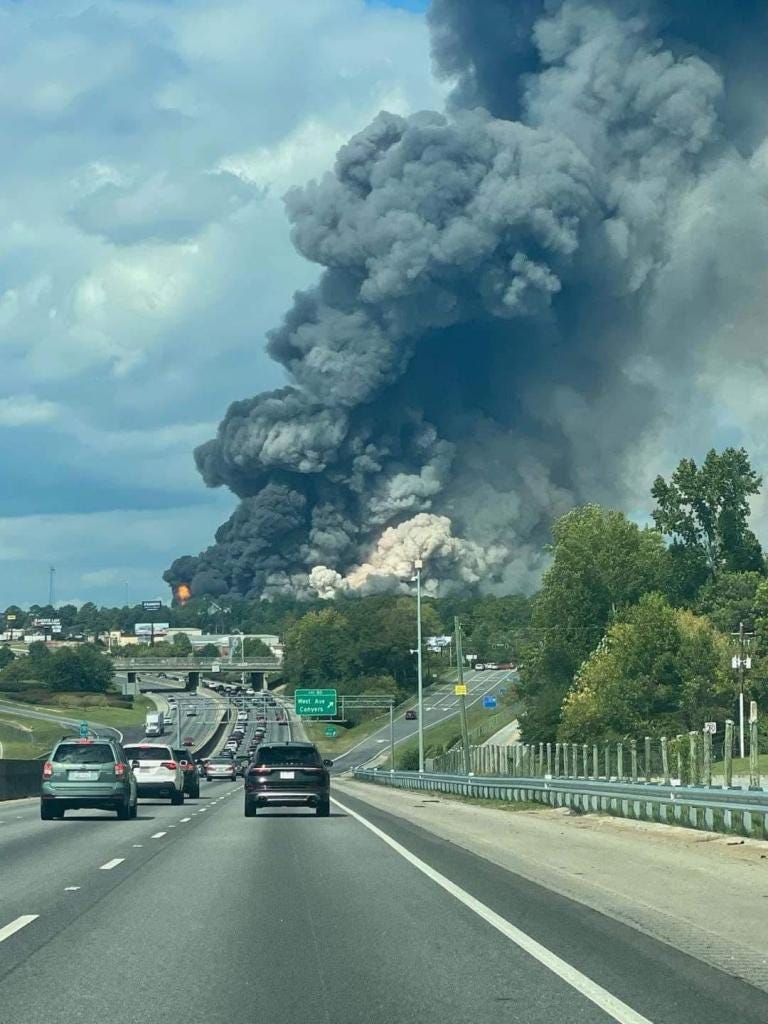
(440,703)
(197,914)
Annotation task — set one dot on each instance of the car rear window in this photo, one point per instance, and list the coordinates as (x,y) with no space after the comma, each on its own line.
(149,754)
(220,760)
(83,753)
(288,755)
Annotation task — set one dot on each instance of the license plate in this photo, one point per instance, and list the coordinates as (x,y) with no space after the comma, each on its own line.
(83,776)
(287,775)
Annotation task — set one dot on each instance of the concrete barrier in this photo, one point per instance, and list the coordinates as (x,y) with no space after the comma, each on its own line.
(19,779)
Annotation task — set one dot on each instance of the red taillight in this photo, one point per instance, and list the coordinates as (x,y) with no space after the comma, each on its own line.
(169,764)
(258,771)
(47,770)
(119,770)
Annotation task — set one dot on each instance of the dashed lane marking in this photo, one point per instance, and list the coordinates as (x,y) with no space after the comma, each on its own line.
(111,864)
(158,835)
(17,925)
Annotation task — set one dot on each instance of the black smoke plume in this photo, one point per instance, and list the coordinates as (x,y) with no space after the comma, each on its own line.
(516,296)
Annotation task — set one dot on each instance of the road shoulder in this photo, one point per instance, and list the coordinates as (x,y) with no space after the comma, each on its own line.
(700,892)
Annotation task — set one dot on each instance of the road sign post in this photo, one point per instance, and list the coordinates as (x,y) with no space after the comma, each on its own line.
(312,703)
(462,695)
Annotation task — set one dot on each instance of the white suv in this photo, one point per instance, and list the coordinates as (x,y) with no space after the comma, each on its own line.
(157,771)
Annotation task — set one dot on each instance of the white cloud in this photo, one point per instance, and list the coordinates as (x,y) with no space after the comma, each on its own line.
(24,410)
(137,277)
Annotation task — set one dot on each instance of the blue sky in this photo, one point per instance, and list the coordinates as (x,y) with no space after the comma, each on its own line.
(145,253)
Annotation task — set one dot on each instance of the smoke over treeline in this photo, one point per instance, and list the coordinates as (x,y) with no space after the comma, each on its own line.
(518,297)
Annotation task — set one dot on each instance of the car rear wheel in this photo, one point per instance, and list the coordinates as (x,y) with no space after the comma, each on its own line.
(177,798)
(124,811)
(250,809)
(323,809)
(46,813)
(134,808)
(195,793)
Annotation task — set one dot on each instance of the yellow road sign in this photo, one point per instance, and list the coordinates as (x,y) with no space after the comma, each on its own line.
(460,691)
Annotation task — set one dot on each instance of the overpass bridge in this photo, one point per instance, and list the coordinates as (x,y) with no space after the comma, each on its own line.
(256,668)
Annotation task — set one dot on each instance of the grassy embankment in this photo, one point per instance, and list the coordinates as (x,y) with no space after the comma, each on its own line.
(25,737)
(443,735)
(741,766)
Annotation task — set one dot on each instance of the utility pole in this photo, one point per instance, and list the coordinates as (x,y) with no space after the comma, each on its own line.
(462,698)
(418,564)
(740,663)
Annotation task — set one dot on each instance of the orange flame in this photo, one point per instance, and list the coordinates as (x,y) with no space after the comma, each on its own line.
(183,593)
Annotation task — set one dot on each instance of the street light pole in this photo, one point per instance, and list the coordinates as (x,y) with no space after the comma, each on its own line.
(418,564)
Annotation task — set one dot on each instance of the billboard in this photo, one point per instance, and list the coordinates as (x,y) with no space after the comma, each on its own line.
(151,628)
(54,625)
(438,643)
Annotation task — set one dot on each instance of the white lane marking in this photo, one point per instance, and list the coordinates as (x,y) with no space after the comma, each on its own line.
(158,835)
(607,1002)
(137,846)
(111,864)
(202,810)
(71,888)
(186,819)
(17,925)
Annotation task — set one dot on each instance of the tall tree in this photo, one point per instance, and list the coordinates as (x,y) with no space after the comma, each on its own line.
(660,671)
(705,511)
(601,563)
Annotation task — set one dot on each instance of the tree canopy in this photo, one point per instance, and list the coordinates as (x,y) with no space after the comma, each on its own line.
(659,670)
(601,564)
(705,510)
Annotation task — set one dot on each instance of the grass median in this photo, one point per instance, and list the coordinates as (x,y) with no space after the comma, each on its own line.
(345,738)
(26,739)
(446,734)
(23,736)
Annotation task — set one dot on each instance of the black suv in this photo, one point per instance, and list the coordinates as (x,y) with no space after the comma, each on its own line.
(287,774)
(191,773)
(87,773)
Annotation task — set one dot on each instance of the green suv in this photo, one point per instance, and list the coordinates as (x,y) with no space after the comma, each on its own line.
(87,773)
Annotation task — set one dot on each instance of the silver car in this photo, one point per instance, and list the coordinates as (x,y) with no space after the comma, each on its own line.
(220,768)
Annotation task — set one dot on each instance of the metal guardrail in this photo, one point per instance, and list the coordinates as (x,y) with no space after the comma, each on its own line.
(742,811)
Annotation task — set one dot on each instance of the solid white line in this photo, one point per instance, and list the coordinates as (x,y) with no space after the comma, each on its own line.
(158,835)
(613,1006)
(17,925)
(111,864)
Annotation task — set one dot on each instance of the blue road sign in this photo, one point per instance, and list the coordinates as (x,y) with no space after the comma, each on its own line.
(489,702)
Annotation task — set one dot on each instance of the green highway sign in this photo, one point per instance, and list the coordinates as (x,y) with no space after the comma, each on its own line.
(315,702)
(330,731)
(84,730)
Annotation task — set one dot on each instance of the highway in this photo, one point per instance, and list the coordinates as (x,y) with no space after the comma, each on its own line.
(440,703)
(197,914)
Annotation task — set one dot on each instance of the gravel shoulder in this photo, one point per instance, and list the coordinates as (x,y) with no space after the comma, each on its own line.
(701,892)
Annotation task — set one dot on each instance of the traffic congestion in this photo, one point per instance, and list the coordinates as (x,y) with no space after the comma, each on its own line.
(98,773)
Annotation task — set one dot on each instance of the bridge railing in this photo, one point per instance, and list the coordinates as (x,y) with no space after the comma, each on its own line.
(197,664)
